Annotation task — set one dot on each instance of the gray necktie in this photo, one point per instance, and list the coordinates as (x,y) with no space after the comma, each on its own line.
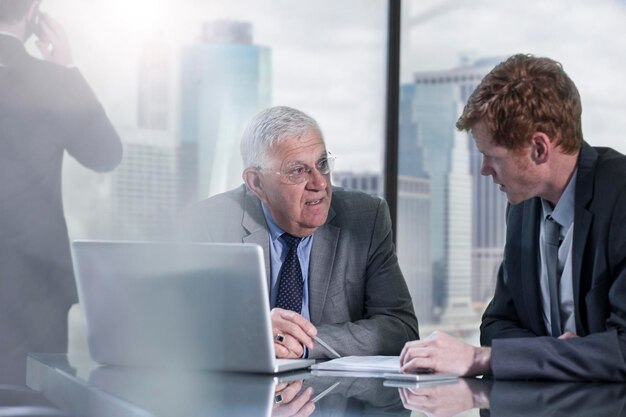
(551,236)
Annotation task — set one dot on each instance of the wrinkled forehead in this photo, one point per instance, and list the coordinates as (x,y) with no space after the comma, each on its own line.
(307,148)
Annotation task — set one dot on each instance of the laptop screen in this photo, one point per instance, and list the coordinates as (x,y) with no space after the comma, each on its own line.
(180,305)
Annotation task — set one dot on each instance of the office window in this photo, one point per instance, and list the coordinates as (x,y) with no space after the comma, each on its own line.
(447,47)
(179,79)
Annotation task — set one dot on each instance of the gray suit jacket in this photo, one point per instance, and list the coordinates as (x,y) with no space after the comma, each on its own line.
(359,300)
(513,322)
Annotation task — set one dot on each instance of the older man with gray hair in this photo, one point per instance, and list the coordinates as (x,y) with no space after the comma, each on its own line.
(329,253)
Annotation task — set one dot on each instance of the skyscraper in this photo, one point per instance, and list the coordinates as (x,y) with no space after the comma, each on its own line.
(413,243)
(225,80)
(143,189)
(367,182)
(488,231)
(130,203)
(154,98)
(458,231)
(435,100)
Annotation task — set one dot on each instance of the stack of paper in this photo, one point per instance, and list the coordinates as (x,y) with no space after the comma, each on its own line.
(373,366)
(361,364)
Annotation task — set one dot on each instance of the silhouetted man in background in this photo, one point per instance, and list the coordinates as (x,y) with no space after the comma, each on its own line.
(46,108)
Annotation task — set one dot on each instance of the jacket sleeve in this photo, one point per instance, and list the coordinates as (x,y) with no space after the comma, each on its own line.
(388,319)
(89,135)
(500,319)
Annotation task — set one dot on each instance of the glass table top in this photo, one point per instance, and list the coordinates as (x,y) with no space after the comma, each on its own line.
(81,387)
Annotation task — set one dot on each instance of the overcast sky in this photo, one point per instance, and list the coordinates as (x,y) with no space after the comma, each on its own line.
(587,37)
(328,56)
(327,59)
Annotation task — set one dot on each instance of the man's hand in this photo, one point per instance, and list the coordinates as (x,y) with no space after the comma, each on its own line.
(567,335)
(291,332)
(52,42)
(289,401)
(443,353)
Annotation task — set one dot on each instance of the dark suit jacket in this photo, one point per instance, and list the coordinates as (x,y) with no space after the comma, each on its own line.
(513,324)
(45,110)
(358,298)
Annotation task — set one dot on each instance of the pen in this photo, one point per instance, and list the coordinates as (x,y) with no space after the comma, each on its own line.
(323,393)
(327,347)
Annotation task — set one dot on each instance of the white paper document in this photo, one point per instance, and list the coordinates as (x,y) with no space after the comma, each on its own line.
(387,367)
(361,364)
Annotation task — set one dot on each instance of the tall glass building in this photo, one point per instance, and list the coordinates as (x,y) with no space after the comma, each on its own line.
(225,80)
(463,203)
(429,136)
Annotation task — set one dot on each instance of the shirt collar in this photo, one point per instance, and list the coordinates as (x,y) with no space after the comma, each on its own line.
(563,212)
(274,229)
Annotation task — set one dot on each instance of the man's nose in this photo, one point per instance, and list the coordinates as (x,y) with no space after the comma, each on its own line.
(485,169)
(317,180)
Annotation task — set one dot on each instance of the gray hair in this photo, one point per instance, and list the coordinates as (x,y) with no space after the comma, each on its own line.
(270,127)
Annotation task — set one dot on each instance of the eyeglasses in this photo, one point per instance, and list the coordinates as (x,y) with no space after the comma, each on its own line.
(297,173)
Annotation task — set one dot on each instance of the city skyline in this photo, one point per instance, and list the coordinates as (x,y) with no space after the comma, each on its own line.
(347,95)
(309,73)
(225,80)
(338,77)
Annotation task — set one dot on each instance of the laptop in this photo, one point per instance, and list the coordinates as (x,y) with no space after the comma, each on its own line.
(177,305)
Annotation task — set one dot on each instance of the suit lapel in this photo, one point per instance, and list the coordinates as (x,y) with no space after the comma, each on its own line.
(529,257)
(582,224)
(254,224)
(323,251)
(321,265)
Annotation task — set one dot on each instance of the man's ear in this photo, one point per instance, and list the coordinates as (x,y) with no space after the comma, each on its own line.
(253,180)
(542,148)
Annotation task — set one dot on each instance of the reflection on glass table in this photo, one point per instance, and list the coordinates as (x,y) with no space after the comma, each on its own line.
(554,399)
(446,399)
(86,389)
(515,398)
(81,387)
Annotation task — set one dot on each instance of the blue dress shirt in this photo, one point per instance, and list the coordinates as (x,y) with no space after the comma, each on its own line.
(278,253)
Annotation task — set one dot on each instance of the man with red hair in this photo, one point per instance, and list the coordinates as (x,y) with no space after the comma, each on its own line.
(559,309)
